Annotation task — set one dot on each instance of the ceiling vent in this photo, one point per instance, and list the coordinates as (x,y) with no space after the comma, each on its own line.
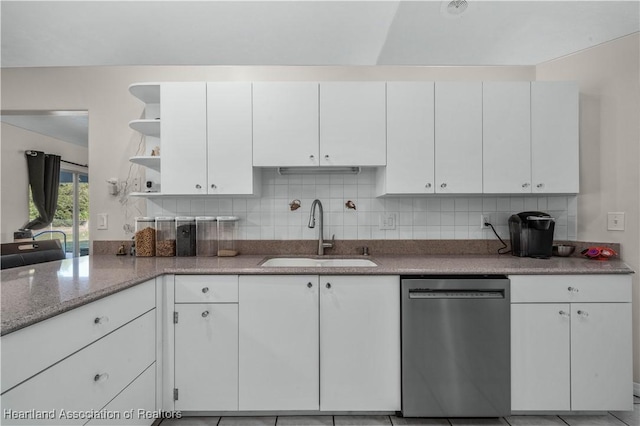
(453,8)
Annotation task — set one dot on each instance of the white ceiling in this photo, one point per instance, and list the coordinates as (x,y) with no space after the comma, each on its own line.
(68,126)
(103,33)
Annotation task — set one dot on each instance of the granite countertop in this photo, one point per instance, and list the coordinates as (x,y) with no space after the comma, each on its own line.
(33,293)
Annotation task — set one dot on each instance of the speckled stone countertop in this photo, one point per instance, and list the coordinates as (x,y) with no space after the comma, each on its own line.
(37,292)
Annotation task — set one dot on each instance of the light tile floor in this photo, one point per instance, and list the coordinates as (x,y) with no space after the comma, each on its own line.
(616,418)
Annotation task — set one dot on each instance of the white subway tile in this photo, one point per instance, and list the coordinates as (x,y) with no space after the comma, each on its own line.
(364,232)
(447,204)
(405,218)
(530,204)
(432,218)
(517,204)
(542,204)
(433,204)
(557,203)
(350,233)
(572,209)
(461,204)
(281,232)
(446,218)
(475,204)
(503,204)
(462,218)
(489,204)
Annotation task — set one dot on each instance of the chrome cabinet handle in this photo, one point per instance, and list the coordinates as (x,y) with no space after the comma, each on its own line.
(525,185)
(564,314)
(326,157)
(101,320)
(309,285)
(328,285)
(443,185)
(573,289)
(213,185)
(583,314)
(205,314)
(205,289)
(428,185)
(198,186)
(312,157)
(540,185)
(101,377)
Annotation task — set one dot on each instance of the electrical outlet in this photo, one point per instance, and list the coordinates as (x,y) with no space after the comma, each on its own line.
(484,218)
(387,221)
(615,221)
(135,184)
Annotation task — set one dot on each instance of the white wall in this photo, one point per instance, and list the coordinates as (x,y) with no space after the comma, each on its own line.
(15,178)
(103,91)
(609,81)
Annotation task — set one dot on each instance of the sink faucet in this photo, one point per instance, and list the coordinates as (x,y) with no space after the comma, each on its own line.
(312,224)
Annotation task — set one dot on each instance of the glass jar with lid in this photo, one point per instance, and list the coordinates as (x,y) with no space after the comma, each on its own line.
(165,236)
(185,236)
(227,235)
(145,236)
(206,236)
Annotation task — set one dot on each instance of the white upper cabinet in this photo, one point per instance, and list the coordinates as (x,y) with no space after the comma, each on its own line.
(285,124)
(506,133)
(554,137)
(352,124)
(184,138)
(229,139)
(458,137)
(410,140)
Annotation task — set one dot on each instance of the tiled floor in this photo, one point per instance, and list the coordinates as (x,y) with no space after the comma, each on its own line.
(616,418)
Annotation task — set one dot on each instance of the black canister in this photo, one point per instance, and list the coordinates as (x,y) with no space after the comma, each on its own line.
(185,236)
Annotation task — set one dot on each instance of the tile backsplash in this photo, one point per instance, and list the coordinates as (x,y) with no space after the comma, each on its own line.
(269,216)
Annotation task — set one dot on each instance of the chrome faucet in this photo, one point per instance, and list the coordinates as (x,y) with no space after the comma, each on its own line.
(312,224)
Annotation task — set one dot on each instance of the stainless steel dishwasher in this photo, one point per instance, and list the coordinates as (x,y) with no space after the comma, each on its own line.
(456,346)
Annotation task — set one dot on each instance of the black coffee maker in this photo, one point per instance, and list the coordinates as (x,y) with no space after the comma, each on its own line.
(531,234)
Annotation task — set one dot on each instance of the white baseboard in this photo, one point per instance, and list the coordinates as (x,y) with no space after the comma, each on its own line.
(636,389)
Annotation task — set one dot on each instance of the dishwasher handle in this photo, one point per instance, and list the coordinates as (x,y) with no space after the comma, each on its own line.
(455,294)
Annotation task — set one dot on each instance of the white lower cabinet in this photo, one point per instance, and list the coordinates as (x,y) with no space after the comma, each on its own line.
(319,342)
(135,405)
(86,380)
(206,357)
(359,343)
(571,345)
(278,343)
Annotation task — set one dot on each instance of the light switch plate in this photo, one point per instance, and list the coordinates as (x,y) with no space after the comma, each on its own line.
(103,221)
(615,221)
(388,221)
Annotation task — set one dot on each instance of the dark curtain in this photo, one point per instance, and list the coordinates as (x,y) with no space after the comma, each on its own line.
(44,178)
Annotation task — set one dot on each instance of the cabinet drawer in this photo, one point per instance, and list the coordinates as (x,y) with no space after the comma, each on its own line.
(206,288)
(570,288)
(139,396)
(89,379)
(49,341)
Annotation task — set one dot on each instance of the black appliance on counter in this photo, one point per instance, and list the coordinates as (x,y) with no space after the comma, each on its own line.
(531,234)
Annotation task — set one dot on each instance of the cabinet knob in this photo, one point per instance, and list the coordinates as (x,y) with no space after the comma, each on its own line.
(525,185)
(213,185)
(564,314)
(101,320)
(540,185)
(573,289)
(100,377)
(198,186)
(312,157)
(443,185)
(428,185)
(205,314)
(205,289)
(328,285)
(309,285)
(326,157)
(583,314)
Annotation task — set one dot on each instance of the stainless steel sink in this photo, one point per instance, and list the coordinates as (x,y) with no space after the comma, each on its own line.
(308,262)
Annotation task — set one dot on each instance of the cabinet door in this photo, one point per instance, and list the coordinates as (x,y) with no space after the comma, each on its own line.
(540,357)
(601,356)
(229,139)
(206,357)
(278,343)
(360,343)
(184,138)
(506,137)
(458,137)
(410,145)
(285,124)
(554,137)
(352,124)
